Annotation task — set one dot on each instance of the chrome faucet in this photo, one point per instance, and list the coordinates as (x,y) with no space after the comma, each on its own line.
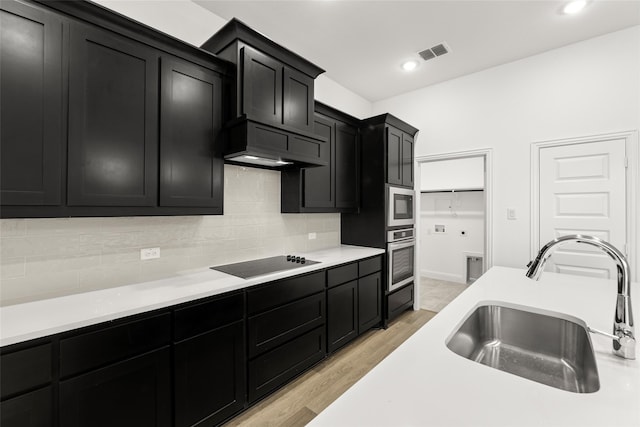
(624,342)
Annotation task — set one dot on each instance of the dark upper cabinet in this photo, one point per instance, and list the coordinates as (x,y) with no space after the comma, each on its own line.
(399,157)
(317,184)
(297,106)
(113,120)
(191,165)
(104,117)
(407,160)
(273,102)
(386,158)
(331,188)
(347,167)
(32,148)
(262,86)
(394,156)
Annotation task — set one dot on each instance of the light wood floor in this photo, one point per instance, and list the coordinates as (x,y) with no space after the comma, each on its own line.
(300,401)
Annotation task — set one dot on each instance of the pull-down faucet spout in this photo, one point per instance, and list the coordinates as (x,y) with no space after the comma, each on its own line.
(624,343)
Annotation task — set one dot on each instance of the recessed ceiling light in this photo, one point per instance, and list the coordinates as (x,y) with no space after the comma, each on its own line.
(410,65)
(574,7)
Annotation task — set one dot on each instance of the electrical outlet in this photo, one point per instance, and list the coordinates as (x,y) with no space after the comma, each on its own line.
(312,236)
(149,253)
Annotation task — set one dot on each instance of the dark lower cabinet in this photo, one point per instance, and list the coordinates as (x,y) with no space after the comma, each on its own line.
(399,301)
(33,409)
(369,301)
(113,120)
(135,392)
(342,314)
(274,368)
(193,364)
(354,300)
(26,373)
(32,146)
(286,331)
(191,164)
(210,376)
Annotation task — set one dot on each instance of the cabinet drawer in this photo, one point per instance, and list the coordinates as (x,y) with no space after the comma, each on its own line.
(399,301)
(198,318)
(25,369)
(271,370)
(109,344)
(369,266)
(277,326)
(343,274)
(33,409)
(284,291)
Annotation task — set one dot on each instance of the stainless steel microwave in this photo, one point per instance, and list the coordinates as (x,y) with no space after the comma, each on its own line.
(400,207)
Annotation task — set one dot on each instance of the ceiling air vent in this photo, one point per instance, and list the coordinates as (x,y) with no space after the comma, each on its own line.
(432,52)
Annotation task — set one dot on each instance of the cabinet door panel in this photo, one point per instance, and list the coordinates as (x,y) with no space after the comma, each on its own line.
(298,100)
(262,84)
(31,106)
(112,120)
(33,409)
(369,301)
(319,187)
(394,156)
(347,171)
(191,163)
(210,376)
(342,314)
(133,393)
(407,160)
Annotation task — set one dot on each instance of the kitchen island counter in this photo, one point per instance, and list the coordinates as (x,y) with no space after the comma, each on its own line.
(22,322)
(423,383)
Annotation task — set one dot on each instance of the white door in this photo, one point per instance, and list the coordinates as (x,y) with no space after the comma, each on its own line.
(582,191)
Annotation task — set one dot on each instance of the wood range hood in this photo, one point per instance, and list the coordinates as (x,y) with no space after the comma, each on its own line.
(270,103)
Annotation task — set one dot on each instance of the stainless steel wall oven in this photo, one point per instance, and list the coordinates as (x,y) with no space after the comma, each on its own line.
(401,246)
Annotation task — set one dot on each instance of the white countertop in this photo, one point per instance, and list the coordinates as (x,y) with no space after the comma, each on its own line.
(37,319)
(423,383)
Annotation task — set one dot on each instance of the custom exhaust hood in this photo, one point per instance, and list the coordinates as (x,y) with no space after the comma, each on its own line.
(272,101)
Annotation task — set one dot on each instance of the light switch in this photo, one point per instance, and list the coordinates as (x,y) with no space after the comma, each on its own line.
(511,213)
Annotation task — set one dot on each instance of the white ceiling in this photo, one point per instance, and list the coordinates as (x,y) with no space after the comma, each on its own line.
(361,44)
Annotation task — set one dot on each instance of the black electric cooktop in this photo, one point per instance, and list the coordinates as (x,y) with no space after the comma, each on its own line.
(258,267)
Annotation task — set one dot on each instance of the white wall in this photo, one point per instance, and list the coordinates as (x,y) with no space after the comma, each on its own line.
(587,88)
(442,255)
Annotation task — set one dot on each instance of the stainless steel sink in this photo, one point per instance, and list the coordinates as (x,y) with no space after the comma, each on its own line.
(549,348)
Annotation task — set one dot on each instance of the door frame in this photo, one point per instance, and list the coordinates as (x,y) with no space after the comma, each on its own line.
(487,155)
(632,187)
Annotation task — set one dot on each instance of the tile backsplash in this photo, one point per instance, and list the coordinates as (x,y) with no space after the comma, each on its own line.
(44,258)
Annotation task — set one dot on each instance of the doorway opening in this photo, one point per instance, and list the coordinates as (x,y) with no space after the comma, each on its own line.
(453,224)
